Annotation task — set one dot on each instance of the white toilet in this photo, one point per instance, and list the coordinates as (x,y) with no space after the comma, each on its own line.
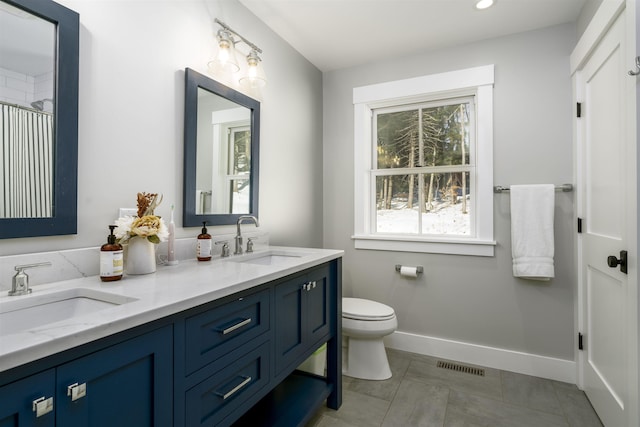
(364,324)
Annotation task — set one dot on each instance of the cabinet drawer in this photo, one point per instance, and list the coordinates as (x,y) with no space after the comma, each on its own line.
(220,330)
(218,396)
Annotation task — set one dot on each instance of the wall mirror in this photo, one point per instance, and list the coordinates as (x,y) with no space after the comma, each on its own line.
(221,152)
(39,47)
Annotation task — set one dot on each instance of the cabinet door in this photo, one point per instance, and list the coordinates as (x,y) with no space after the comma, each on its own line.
(302,315)
(17,401)
(127,385)
(289,298)
(317,307)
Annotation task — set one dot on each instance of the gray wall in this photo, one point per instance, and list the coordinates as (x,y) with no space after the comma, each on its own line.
(462,298)
(132,59)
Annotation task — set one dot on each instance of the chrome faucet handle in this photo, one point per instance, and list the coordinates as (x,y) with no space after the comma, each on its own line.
(20,282)
(225,248)
(250,244)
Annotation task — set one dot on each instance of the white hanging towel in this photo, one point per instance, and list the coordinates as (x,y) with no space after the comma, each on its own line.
(532,247)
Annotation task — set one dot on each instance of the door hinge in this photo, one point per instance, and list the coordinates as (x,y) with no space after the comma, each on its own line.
(579,225)
(579,109)
(580,343)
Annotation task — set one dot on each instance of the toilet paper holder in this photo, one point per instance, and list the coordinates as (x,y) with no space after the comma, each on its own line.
(419,269)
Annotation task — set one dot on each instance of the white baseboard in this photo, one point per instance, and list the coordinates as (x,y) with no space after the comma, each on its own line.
(490,357)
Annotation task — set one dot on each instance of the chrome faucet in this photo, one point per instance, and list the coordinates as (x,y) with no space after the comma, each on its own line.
(241,219)
(20,282)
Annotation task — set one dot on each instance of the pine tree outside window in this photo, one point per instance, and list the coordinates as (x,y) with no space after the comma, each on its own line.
(424,164)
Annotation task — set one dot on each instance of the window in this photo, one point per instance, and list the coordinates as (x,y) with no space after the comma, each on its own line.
(423,164)
(239,168)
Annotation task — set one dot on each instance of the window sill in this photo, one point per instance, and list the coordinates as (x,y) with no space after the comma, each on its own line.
(472,247)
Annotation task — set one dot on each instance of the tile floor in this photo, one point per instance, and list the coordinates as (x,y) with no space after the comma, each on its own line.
(422,394)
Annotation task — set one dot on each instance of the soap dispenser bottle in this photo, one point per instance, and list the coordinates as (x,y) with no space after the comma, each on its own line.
(111,259)
(203,248)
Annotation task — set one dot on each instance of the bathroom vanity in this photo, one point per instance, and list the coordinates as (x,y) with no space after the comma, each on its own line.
(199,344)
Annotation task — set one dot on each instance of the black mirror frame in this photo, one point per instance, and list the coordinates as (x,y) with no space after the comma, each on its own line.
(65,190)
(193,81)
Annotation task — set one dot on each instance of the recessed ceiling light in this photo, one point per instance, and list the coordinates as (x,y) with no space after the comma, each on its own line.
(484,4)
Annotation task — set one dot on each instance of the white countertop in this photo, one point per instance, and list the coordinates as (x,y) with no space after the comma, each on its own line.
(170,290)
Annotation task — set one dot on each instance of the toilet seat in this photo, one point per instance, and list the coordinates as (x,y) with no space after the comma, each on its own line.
(363,309)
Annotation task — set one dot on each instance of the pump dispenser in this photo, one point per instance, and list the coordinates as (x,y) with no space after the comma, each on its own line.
(111,259)
(203,249)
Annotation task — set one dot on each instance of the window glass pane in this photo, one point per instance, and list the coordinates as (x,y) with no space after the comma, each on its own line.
(240,159)
(397,204)
(446,134)
(398,137)
(239,190)
(447,204)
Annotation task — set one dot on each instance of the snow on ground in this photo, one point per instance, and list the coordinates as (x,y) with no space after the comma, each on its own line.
(444,219)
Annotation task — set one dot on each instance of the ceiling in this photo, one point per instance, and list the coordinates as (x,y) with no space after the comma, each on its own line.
(335,34)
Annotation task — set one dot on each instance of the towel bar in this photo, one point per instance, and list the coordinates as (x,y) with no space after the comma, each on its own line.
(565,188)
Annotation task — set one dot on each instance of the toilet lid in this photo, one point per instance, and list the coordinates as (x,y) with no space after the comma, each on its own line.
(364,309)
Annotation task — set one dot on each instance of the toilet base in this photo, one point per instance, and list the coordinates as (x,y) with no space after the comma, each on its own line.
(366,359)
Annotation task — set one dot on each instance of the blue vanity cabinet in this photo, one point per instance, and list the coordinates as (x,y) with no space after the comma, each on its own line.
(29,402)
(229,361)
(301,316)
(127,384)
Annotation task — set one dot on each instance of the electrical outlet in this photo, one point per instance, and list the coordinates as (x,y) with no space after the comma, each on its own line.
(128,212)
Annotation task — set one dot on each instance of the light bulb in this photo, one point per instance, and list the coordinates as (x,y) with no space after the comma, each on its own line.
(484,4)
(225,60)
(254,78)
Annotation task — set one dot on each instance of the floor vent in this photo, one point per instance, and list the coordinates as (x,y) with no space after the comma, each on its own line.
(461,368)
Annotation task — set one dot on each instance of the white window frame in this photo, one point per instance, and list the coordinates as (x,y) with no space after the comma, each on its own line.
(476,81)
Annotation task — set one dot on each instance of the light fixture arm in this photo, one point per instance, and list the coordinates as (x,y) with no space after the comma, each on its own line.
(226,27)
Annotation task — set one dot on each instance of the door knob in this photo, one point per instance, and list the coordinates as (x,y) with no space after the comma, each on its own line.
(613,262)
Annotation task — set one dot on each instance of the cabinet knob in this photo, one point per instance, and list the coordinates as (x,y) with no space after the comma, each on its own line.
(77,391)
(42,406)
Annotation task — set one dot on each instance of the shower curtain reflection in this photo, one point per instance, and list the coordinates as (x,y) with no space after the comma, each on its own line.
(26,163)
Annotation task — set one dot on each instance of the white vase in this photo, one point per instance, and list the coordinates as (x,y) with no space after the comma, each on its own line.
(141,256)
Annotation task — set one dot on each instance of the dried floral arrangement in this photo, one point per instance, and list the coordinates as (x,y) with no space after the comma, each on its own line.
(147,224)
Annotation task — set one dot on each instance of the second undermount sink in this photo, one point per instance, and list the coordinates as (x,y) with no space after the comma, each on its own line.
(22,313)
(271,257)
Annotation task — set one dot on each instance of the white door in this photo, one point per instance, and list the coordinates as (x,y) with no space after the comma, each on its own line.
(606,157)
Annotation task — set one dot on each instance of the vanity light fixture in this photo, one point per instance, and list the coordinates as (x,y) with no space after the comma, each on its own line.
(484,4)
(225,60)
(254,76)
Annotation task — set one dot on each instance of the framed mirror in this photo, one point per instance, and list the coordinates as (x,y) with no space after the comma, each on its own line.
(39,48)
(221,152)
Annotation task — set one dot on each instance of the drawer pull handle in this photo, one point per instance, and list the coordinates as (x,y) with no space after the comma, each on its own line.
(42,406)
(236,326)
(77,391)
(234,390)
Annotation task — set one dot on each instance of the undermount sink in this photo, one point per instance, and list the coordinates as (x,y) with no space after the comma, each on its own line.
(41,309)
(272,257)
